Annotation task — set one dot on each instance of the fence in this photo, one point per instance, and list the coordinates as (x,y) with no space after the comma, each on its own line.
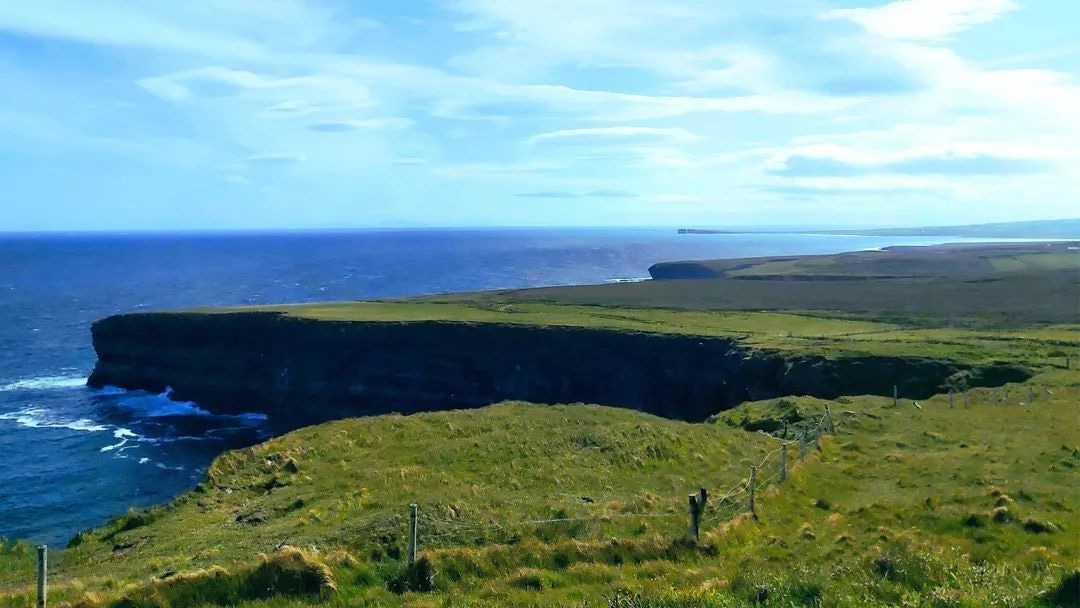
(702,508)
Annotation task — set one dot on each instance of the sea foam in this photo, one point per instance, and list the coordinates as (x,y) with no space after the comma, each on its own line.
(44,383)
(40,418)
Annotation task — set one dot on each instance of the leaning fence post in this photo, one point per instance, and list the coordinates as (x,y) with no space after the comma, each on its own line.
(42,572)
(695,517)
(783,461)
(802,445)
(817,437)
(828,420)
(753,489)
(412,534)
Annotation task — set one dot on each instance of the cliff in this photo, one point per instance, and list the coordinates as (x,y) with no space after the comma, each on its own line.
(303,371)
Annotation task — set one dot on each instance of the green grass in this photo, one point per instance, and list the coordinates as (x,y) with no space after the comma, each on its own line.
(797,333)
(724,324)
(1032,262)
(901,505)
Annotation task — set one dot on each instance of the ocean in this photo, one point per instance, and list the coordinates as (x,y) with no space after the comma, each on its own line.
(72,458)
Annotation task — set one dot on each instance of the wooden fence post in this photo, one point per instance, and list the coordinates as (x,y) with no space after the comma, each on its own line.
(783,461)
(828,420)
(753,490)
(412,534)
(1031,394)
(895,395)
(802,445)
(695,517)
(42,573)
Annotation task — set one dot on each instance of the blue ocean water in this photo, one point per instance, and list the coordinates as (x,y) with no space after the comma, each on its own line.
(71,457)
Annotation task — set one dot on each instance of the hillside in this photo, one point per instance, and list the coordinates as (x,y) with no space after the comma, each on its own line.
(926,504)
(976,286)
(1041,229)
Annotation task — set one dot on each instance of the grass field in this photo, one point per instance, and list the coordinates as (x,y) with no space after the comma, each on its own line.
(983,286)
(797,333)
(965,506)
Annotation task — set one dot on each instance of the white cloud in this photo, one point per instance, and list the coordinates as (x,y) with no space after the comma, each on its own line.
(329,91)
(924,19)
(370,124)
(617,134)
(941,151)
(498,170)
(277,158)
(208,28)
(672,197)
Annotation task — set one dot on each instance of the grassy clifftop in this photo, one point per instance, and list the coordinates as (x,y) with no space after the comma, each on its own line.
(797,333)
(982,302)
(918,504)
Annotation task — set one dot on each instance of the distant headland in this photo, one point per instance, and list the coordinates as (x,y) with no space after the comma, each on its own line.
(1042,229)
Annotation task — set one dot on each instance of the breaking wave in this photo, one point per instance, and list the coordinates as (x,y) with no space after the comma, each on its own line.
(44,383)
(40,418)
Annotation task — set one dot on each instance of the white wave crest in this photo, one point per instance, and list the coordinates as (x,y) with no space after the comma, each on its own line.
(44,383)
(124,435)
(40,418)
(161,405)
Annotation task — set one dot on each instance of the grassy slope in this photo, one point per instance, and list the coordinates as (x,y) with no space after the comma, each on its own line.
(976,286)
(898,506)
(788,332)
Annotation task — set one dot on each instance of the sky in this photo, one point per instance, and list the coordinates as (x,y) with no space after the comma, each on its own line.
(298,114)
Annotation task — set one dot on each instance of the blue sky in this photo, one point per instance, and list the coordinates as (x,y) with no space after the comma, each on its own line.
(268,114)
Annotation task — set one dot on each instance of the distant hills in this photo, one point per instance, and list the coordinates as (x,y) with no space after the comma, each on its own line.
(1041,229)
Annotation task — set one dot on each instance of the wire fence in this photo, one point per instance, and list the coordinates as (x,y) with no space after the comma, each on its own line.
(707,510)
(703,510)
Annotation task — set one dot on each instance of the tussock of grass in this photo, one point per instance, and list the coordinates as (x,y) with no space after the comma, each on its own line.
(288,572)
(1067,592)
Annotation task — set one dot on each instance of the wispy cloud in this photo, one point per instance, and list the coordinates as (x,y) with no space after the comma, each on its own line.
(621,134)
(924,19)
(277,158)
(361,125)
(609,194)
(960,158)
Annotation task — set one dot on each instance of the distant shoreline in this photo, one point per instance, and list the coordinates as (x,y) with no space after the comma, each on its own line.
(1037,230)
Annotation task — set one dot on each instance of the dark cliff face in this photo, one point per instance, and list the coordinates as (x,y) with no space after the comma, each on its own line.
(301,371)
